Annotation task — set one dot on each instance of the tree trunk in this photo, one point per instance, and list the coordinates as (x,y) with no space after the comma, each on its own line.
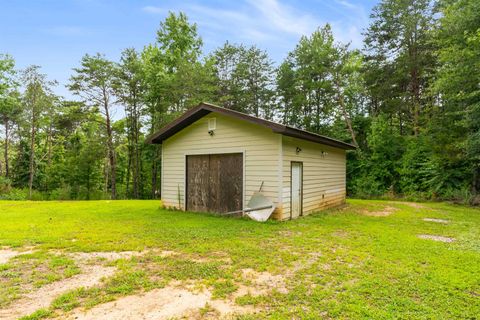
(111,156)
(127,179)
(136,162)
(346,116)
(32,148)
(415,84)
(154,168)
(5,151)
(32,158)
(154,176)
(400,122)
(155,171)
(128,118)
(106,170)
(48,143)
(476,180)
(88,182)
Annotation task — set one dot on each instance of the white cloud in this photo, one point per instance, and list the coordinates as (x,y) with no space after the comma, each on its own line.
(220,14)
(346,4)
(348,34)
(153,9)
(284,18)
(271,24)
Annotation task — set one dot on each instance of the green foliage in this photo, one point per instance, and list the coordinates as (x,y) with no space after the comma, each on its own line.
(7,71)
(95,82)
(458,40)
(416,172)
(404,100)
(377,174)
(222,289)
(39,314)
(312,63)
(245,79)
(321,87)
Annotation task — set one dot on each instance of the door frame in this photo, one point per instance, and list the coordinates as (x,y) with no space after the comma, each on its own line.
(185,172)
(301,187)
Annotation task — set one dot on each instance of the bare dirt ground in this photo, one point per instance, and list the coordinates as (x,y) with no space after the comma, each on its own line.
(413,205)
(88,256)
(262,282)
(386,211)
(436,220)
(436,238)
(181,300)
(166,303)
(6,254)
(90,276)
(176,300)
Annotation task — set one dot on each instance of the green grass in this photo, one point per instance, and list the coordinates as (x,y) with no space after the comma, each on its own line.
(30,271)
(340,263)
(39,314)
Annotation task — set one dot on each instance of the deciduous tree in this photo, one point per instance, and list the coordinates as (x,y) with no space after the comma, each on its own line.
(94,82)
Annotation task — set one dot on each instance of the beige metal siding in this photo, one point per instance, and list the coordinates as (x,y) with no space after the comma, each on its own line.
(260,146)
(324,177)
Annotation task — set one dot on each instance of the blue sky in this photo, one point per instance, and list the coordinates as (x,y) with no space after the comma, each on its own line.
(55,34)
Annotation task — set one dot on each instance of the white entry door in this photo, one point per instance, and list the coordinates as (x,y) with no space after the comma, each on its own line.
(296,189)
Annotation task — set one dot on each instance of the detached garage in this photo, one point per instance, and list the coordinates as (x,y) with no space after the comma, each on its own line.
(215,159)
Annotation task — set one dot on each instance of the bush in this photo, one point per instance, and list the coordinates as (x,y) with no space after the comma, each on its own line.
(458,195)
(62,193)
(368,187)
(14,194)
(5,185)
(83,194)
(37,195)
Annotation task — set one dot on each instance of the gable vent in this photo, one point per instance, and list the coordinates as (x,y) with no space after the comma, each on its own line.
(212,124)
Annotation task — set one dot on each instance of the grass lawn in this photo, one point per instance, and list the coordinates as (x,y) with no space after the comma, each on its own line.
(363,261)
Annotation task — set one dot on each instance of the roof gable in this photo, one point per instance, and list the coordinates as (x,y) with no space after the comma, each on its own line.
(203,109)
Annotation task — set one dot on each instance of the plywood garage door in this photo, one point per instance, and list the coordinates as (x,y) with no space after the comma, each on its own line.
(215,182)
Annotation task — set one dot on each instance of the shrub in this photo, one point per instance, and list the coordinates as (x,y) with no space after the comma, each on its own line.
(5,185)
(14,194)
(62,193)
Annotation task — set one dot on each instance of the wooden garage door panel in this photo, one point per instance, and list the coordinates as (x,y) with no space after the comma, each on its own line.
(215,182)
(197,171)
(227,186)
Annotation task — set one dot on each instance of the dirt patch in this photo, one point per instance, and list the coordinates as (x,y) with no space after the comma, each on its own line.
(262,282)
(386,211)
(340,234)
(436,238)
(436,220)
(414,205)
(86,256)
(167,253)
(289,233)
(43,297)
(166,303)
(185,300)
(6,254)
(326,267)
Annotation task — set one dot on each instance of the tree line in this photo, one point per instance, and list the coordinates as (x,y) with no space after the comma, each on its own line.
(409,99)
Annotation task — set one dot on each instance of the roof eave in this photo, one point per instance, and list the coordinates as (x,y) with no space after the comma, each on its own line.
(203,109)
(303,135)
(179,124)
